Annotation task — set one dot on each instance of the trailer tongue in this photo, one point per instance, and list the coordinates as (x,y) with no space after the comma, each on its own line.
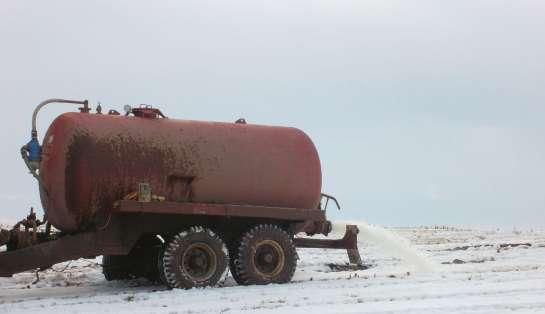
(172,200)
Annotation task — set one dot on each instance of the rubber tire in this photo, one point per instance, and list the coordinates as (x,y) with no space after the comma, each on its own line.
(244,261)
(114,267)
(233,253)
(145,265)
(161,269)
(139,263)
(172,273)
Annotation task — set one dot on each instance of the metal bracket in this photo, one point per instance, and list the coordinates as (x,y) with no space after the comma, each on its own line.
(330,197)
(348,242)
(144,192)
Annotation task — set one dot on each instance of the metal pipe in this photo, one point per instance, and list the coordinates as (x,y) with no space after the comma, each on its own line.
(31,152)
(85,108)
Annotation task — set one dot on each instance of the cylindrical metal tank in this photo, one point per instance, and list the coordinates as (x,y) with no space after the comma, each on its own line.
(90,161)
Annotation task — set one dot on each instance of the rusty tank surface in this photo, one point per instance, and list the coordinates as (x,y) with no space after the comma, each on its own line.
(89,161)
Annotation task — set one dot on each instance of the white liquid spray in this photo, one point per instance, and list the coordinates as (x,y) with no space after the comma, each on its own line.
(391,243)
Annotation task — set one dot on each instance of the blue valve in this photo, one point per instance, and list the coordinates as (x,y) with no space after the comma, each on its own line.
(34,150)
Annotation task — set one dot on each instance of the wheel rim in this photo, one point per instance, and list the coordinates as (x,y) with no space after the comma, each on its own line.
(199,262)
(269,258)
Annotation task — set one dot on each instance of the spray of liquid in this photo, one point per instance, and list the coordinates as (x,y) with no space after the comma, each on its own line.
(392,244)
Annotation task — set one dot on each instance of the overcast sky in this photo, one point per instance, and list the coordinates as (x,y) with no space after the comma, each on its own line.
(423,112)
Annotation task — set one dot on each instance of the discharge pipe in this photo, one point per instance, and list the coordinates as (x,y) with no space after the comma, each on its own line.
(32,151)
(84,109)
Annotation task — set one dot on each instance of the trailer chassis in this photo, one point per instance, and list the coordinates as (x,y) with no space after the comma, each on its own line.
(130,220)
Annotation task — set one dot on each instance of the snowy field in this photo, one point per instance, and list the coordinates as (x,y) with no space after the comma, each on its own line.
(440,271)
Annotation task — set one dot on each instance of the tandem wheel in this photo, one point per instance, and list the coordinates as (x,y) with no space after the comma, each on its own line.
(265,254)
(195,257)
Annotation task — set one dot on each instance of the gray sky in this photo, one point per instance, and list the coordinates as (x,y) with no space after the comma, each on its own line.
(422,111)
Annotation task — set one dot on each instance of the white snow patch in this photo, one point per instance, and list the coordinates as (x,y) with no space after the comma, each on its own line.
(498,273)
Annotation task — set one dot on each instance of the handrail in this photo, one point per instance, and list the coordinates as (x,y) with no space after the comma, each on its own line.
(329,197)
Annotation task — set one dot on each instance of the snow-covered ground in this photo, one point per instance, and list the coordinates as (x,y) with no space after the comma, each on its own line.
(442,271)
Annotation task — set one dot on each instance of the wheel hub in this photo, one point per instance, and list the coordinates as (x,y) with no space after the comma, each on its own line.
(269,258)
(199,261)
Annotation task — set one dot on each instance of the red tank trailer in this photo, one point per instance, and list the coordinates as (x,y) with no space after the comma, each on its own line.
(90,161)
(176,201)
